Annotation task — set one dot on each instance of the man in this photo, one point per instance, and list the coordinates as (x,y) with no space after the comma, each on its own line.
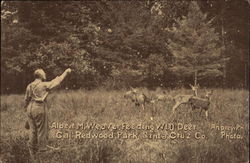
(36,107)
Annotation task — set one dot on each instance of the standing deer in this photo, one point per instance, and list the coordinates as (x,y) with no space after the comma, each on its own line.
(201,103)
(137,98)
(181,99)
(184,99)
(161,97)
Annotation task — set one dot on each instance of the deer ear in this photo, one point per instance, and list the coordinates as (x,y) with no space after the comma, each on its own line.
(191,85)
(133,89)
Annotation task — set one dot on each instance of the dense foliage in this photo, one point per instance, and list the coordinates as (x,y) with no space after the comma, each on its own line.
(117,44)
(196,47)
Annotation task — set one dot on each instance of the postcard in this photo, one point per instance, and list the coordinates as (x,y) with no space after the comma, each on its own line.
(149,81)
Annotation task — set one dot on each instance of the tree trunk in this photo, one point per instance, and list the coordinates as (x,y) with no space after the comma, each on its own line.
(2,3)
(224,44)
(246,76)
(195,78)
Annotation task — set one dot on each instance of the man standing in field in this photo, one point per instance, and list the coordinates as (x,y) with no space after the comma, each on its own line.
(36,107)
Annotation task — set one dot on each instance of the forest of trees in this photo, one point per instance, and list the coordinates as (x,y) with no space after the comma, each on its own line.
(118,44)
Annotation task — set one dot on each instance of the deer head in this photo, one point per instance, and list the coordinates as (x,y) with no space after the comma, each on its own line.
(195,88)
(208,94)
(133,90)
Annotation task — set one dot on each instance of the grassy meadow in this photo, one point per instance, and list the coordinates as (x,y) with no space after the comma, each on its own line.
(228,108)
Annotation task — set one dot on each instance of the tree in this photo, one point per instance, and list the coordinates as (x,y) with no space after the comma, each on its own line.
(131,41)
(123,42)
(196,46)
(32,37)
(232,18)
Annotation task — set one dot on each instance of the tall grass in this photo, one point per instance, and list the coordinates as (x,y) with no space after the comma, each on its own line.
(228,107)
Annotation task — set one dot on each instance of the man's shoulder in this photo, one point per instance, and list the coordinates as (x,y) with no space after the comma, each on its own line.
(28,86)
(34,83)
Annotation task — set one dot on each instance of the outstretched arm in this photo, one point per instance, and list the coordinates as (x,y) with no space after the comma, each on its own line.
(57,81)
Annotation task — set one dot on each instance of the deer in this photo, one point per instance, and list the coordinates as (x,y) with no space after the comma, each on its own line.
(138,98)
(161,97)
(179,100)
(201,103)
(164,97)
(184,99)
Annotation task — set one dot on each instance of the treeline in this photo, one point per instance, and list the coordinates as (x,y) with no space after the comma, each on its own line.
(118,44)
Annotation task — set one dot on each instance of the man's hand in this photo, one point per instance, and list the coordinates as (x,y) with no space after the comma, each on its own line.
(68,70)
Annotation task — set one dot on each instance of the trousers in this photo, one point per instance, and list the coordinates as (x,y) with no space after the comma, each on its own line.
(38,121)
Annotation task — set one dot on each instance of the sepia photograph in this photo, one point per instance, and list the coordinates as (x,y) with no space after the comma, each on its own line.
(124,81)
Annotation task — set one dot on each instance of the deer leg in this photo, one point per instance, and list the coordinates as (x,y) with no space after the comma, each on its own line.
(192,106)
(153,112)
(206,112)
(143,106)
(176,106)
(200,111)
(154,108)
